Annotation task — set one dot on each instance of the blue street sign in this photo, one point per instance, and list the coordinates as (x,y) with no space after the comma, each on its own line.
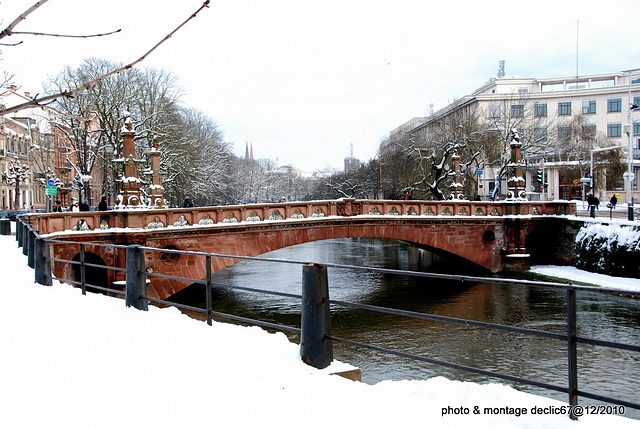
(479,171)
(50,182)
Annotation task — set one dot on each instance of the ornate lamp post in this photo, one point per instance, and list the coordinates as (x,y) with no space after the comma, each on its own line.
(130,185)
(516,181)
(156,188)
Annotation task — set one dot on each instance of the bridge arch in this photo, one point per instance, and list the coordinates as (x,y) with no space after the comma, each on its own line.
(479,243)
(97,276)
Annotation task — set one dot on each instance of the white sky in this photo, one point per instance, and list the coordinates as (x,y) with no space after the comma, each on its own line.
(302,80)
(72,361)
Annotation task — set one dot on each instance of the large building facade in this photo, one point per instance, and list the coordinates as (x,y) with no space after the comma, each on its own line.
(552,115)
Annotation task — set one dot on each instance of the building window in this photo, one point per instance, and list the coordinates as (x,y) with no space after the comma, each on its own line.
(614,105)
(636,101)
(636,128)
(523,90)
(517,110)
(494,111)
(564,133)
(540,109)
(564,108)
(589,131)
(614,130)
(540,134)
(589,107)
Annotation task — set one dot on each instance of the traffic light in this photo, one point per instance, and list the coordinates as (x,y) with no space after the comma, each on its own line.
(539,175)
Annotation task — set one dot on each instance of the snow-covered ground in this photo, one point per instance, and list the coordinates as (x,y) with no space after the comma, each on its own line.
(73,361)
(576,275)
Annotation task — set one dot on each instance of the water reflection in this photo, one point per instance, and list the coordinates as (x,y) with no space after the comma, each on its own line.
(607,371)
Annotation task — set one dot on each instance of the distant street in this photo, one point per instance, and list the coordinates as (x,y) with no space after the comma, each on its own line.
(620,212)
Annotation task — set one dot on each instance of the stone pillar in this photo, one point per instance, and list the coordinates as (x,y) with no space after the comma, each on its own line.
(156,189)
(516,183)
(130,185)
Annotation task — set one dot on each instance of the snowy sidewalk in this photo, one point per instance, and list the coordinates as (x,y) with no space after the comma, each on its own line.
(73,361)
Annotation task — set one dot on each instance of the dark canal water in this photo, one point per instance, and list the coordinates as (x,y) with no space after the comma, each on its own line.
(603,370)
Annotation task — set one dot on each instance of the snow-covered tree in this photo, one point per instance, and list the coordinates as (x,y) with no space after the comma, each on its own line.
(16,174)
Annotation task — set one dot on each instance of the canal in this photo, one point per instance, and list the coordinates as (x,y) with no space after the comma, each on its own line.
(603,370)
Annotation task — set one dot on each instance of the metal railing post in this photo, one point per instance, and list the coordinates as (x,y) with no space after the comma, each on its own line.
(83,274)
(25,239)
(572,351)
(208,299)
(136,287)
(31,248)
(42,263)
(316,348)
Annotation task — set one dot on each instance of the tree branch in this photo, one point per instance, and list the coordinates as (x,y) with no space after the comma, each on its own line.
(8,31)
(70,36)
(87,85)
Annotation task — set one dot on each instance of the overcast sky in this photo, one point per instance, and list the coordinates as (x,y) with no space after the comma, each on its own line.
(302,80)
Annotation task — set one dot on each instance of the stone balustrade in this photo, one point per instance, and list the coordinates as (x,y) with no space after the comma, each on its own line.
(142,218)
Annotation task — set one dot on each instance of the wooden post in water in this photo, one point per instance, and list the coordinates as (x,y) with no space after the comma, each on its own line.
(316,347)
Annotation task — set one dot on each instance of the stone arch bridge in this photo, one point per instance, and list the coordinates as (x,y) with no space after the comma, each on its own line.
(492,235)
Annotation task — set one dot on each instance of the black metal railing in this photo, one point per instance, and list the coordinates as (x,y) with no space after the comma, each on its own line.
(316,337)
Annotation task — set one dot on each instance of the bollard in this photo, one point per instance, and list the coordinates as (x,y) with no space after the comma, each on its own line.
(18,233)
(5,227)
(136,288)
(316,348)
(42,262)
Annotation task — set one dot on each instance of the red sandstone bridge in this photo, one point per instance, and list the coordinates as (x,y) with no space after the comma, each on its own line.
(492,235)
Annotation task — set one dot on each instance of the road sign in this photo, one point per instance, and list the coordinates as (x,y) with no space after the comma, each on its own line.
(625,175)
(479,171)
(51,190)
(50,182)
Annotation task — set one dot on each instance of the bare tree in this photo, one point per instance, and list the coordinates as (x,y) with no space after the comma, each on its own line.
(427,156)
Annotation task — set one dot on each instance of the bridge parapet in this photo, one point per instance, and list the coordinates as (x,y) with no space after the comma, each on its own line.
(206,216)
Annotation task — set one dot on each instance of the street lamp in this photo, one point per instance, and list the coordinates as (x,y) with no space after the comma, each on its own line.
(628,129)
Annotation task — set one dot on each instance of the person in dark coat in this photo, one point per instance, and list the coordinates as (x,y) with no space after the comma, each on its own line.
(57,207)
(84,206)
(613,201)
(102,206)
(188,202)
